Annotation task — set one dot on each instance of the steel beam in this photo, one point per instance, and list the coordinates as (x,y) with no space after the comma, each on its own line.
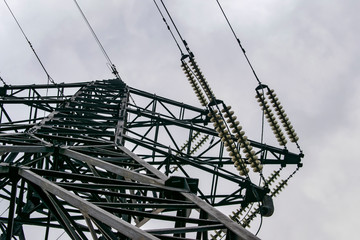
(86,207)
(110,167)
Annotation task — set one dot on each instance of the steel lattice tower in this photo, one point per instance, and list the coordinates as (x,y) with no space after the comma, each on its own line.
(103,160)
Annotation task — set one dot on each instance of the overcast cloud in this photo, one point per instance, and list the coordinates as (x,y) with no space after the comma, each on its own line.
(308,51)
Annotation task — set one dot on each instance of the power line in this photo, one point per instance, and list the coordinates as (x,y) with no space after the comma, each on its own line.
(238,41)
(177,30)
(168,27)
(2,80)
(32,48)
(112,66)
(60,235)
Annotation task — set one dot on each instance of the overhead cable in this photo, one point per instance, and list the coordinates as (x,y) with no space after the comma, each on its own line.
(168,27)
(2,80)
(238,41)
(32,48)
(111,65)
(177,30)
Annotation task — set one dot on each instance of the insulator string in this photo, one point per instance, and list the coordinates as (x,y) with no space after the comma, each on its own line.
(2,80)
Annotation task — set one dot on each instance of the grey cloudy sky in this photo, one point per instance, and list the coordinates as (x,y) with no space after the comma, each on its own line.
(307,50)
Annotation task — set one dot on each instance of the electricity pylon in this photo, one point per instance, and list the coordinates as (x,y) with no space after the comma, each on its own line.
(103,160)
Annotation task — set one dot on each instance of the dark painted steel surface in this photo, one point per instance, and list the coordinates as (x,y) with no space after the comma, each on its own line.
(99,159)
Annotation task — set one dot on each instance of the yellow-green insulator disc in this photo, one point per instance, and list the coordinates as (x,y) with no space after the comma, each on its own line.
(258,168)
(244,172)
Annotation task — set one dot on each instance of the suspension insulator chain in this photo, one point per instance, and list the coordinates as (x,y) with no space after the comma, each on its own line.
(250,155)
(271,118)
(186,144)
(283,116)
(273,176)
(283,183)
(204,84)
(194,84)
(219,124)
(195,148)
(199,144)
(219,234)
(226,138)
(239,212)
(279,187)
(246,221)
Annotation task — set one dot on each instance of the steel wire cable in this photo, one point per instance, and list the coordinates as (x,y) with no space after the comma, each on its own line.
(109,62)
(177,30)
(238,41)
(2,80)
(31,46)
(168,27)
